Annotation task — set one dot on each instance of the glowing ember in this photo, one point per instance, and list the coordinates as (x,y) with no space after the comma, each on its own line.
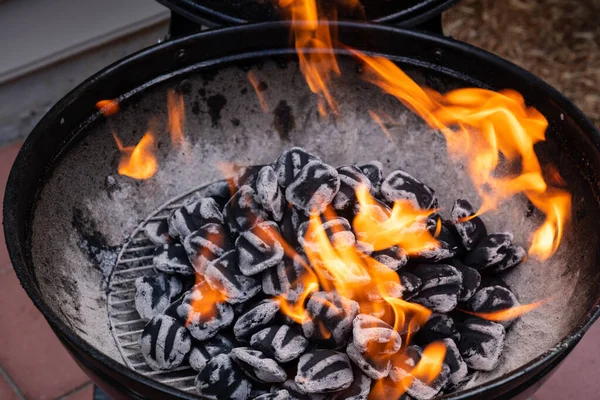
(108,107)
(138,161)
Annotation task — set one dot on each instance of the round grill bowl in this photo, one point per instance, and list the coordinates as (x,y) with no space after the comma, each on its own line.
(67,213)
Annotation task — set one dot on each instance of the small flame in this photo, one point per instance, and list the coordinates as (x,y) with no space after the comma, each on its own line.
(430,365)
(138,161)
(258,88)
(205,301)
(379,122)
(108,107)
(509,313)
(176,113)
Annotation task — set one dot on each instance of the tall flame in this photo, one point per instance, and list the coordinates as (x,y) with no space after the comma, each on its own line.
(138,161)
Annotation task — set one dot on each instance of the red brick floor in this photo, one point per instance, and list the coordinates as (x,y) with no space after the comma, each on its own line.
(34,366)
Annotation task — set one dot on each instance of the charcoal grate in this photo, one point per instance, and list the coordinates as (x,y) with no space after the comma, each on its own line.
(135,260)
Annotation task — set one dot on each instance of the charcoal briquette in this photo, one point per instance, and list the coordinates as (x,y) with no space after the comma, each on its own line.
(338,231)
(456,365)
(243,211)
(373,170)
(493,298)
(314,188)
(278,395)
(257,318)
(259,248)
(441,284)
(269,194)
(201,318)
(330,318)
(154,293)
(224,274)
(358,390)
(324,371)
(222,378)
(471,280)
(411,284)
(219,191)
(495,253)
(372,335)
(258,366)
(470,229)
(447,246)
(393,257)
(351,178)
(375,367)
(400,185)
(194,213)
(296,393)
(437,327)
(207,244)
(245,175)
(481,343)
(203,352)
(290,163)
(287,279)
(158,232)
(281,342)
(290,224)
(164,342)
(172,259)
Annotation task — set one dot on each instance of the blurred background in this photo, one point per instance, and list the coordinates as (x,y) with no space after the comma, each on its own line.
(49,46)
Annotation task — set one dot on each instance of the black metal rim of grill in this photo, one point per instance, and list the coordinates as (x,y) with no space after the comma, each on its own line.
(164,61)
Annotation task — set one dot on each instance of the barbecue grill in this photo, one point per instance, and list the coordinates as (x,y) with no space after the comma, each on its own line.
(74,228)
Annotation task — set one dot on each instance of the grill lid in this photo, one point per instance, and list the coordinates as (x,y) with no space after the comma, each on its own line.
(405,13)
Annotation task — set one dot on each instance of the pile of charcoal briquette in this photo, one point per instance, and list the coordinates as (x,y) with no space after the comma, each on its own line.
(245,347)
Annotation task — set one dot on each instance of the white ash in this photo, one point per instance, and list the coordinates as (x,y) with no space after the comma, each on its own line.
(255,364)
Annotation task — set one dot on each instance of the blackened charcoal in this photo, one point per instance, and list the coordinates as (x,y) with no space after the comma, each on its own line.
(481,343)
(193,214)
(219,191)
(278,395)
(287,278)
(338,231)
(258,366)
(259,248)
(493,298)
(456,364)
(441,286)
(350,179)
(269,194)
(290,163)
(372,335)
(202,316)
(172,259)
(222,378)
(314,188)
(243,211)
(290,224)
(419,390)
(373,170)
(324,371)
(224,274)
(257,318)
(158,232)
(330,318)
(207,244)
(281,342)
(154,293)
(203,352)
(471,280)
(447,246)
(164,342)
(470,229)
(393,257)
(411,284)
(296,393)
(437,327)
(245,175)
(495,253)
(374,367)
(400,185)
(358,390)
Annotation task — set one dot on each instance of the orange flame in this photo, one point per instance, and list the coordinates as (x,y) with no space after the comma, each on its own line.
(256,84)
(138,161)
(509,313)
(379,122)
(176,113)
(108,107)
(205,301)
(430,365)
